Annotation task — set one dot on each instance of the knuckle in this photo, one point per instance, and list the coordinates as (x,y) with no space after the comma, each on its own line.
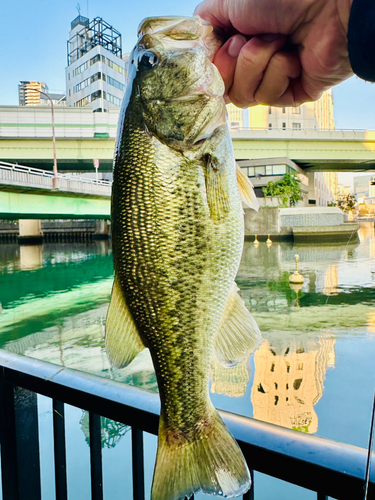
(241,101)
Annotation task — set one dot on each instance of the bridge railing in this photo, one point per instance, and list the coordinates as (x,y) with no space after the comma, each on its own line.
(35,178)
(321,465)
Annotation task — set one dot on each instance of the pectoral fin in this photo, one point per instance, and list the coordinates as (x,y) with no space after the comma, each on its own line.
(216,188)
(238,334)
(246,190)
(122,339)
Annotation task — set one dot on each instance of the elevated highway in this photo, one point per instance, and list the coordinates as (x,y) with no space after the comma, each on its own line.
(27,193)
(81,136)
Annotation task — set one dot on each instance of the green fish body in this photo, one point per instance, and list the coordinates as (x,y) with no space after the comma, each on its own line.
(177,229)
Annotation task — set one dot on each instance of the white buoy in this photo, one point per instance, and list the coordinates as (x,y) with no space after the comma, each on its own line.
(296,277)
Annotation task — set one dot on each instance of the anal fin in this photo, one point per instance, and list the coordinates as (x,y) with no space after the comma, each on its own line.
(238,335)
(247,193)
(122,339)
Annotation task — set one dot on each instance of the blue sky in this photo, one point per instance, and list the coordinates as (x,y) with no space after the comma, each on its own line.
(33,38)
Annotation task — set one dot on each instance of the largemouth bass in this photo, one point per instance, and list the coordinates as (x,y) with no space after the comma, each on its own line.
(177,228)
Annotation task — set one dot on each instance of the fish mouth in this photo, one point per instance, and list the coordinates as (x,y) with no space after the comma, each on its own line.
(181,31)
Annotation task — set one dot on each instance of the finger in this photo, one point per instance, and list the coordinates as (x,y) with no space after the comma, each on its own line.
(215,12)
(275,86)
(251,64)
(226,59)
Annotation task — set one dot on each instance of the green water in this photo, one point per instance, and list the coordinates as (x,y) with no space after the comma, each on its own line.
(314,371)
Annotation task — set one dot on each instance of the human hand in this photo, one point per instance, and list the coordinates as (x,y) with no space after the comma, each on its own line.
(280,52)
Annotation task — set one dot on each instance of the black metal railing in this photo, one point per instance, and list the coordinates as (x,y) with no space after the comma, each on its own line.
(326,467)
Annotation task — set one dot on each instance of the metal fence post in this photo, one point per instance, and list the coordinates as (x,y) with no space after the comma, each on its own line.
(96,457)
(9,469)
(138,464)
(27,438)
(59,450)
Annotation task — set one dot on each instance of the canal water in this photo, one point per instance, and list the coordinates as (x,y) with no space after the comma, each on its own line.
(314,371)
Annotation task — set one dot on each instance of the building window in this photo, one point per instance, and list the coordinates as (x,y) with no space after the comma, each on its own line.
(269,110)
(296,110)
(284,126)
(83,102)
(81,68)
(296,126)
(96,77)
(68,76)
(115,83)
(279,169)
(95,59)
(82,85)
(112,99)
(115,66)
(251,171)
(96,95)
(69,93)
(283,110)
(270,126)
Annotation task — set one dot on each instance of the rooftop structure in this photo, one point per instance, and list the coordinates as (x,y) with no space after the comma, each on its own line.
(95,75)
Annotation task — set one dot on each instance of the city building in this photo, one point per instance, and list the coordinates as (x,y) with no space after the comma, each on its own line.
(95,75)
(236,116)
(364,187)
(322,186)
(29,93)
(311,115)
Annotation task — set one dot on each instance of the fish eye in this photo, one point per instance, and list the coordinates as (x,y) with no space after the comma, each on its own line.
(148,60)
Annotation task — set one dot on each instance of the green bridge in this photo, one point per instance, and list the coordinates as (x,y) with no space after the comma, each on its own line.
(82,136)
(312,150)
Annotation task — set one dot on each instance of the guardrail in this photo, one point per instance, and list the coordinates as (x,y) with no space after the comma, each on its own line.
(34,178)
(321,465)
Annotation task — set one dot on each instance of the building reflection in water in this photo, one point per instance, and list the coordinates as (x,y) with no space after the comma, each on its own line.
(331,280)
(366,231)
(229,381)
(288,381)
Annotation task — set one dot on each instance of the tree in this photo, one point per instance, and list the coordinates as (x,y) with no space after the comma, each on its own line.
(346,202)
(287,190)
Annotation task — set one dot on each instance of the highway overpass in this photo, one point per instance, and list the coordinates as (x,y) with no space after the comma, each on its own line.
(81,136)
(27,193)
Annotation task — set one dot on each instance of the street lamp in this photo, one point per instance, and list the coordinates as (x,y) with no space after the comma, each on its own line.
(55,178)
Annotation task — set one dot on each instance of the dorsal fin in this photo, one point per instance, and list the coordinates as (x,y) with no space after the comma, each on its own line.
(246,190)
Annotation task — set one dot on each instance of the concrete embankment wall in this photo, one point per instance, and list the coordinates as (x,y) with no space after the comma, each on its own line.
(35,231)
(300,224)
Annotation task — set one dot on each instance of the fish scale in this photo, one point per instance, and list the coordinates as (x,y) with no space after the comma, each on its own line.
(190,299)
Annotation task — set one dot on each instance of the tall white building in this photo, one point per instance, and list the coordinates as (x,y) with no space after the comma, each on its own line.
(95,75)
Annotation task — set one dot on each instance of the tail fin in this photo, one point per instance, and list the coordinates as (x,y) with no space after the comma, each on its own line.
(212,463)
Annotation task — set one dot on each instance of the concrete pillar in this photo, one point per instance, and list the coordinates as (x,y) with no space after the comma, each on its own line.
(101,230)
(30,231)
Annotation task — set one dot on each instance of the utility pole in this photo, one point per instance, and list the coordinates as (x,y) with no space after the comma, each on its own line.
(55,176)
